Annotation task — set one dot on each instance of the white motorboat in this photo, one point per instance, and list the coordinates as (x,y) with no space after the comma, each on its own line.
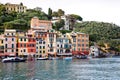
(13,59)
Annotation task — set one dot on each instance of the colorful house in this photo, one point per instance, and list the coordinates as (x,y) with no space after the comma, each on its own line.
(10,42)
(51,40)
(22,42)
(2,45)
(41,44)
(63,46)
(41,25)
(31,45)
(80,43)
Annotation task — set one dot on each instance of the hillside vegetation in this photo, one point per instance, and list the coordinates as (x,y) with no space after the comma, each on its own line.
(101,32)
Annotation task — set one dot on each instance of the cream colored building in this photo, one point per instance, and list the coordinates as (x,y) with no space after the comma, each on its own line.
(15,7)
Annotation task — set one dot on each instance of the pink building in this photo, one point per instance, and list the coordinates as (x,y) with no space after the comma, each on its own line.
(10,42)
(37,24)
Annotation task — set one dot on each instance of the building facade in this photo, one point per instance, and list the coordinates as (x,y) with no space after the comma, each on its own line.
(15,7)
(63,46)
(80,43)
(31,45)
(51,40)
(1,45)
(41,25)
(10,42)
(22,43)
(41,43)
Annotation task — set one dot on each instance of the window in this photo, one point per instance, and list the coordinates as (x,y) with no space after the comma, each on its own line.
(82,40)
(87,45)
(24,39)
(82,35)
(40,51)
(58,45)
(5,45)
(78,40)
(74,45)
(79,49)
(12,45)
(24,50)
(66,40)
(82,45)
(5,39)
(51,45)
(66,46)
(12,50)
(74,39)
(74,49)
(61,46)
(82,49)
(79,44)
(12,39)
(36,47)
(58,51)
(43,51)
(24,45)
(43,42)
(31,50)
(2,41)
(20,45)
(20,39)
(51,50)
(40,47)
(43,47)
(5,50)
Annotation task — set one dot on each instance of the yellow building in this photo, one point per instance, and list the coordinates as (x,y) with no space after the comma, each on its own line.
(15,7)
(1,44)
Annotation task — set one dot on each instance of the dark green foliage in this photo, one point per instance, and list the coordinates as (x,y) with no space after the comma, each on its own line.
(55,14)
(101,32)
(14,20)
(65,31)
(59,24)
(77,17)
(60,12)
(49,13)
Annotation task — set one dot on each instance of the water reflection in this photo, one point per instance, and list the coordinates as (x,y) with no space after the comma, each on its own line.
(93,69)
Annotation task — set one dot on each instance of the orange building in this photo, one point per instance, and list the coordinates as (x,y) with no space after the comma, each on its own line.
(22,42)
(31,45)
(80,43)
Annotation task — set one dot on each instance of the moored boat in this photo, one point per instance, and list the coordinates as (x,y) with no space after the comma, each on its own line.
(42,58)
(13,59)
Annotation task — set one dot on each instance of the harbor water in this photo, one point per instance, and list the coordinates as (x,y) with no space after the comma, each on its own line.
(89,69)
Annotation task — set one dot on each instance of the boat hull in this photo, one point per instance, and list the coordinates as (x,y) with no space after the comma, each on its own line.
(13,60)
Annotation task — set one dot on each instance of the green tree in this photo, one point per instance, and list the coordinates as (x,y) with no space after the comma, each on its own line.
(49,13)
(59,24)
(2,10)
(77,17)
(60,12)
(54,14)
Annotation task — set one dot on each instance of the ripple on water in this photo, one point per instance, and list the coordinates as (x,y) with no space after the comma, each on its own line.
(93,69)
